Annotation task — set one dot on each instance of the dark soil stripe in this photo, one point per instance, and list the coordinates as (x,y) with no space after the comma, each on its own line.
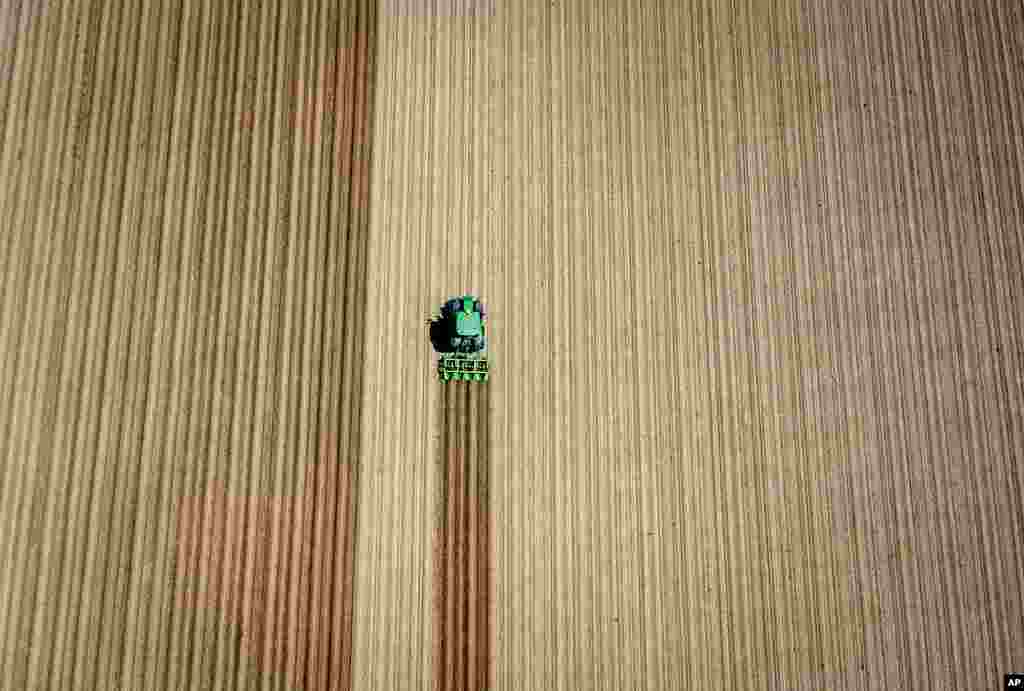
(462,545)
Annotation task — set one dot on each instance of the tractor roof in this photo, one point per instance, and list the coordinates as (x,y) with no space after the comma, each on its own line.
(468,323)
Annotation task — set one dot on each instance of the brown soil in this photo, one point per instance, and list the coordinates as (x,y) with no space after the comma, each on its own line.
(462,550)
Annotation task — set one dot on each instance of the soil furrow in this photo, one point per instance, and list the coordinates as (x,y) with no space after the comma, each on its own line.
(462,549)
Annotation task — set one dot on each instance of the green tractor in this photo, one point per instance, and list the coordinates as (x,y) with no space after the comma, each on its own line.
(457,335)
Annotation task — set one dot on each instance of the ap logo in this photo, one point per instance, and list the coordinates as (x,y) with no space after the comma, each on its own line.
(1014,681)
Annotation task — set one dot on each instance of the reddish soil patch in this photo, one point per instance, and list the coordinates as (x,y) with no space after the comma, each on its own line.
(270,578)
(462,541)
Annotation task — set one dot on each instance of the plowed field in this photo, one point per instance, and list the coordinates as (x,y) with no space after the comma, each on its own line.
(753,278)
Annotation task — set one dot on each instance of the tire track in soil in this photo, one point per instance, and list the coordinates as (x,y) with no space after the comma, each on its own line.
(462,554)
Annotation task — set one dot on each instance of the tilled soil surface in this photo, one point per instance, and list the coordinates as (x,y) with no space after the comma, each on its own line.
(753,276)
(462,546)
(182,269)
(752,271)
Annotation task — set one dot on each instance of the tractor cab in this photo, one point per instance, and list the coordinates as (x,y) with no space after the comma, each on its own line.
(467,320)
